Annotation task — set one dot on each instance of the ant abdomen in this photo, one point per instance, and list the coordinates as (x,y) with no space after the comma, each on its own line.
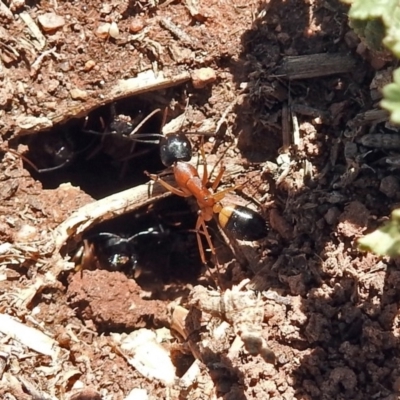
(243,222)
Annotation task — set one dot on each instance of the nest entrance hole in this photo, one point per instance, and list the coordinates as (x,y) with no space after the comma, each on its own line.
(100,164)
(171,257)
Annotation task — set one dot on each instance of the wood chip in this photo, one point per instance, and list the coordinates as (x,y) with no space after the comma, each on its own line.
(28,336)
(4,10)
(146,355)
(315,65)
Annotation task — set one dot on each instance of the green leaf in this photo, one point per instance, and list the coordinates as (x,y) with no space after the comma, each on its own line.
(370,9)
(385,241)
(391,98)
(377,22)
(374,20)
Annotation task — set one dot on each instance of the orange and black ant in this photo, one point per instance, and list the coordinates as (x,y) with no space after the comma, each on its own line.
(241,221)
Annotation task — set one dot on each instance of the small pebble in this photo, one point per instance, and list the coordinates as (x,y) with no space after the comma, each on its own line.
(103,31)
(332,216)
(78,94)
(65,66)
(40,95)
(136,26)
(106,9)
(50,22)
(202,77)
(89,65)
(389,186)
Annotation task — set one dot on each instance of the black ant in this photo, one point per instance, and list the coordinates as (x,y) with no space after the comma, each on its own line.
(151,242)
(59,150)
(120,125)
(113,252)
(242,222)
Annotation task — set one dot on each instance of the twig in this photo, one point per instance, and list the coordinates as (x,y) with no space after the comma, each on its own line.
(143,83)
(285,128)
(107,208)
(38,62)
(296,129)
(315,66)
(180,34)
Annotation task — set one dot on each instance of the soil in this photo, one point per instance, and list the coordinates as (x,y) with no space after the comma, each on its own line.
(299,146)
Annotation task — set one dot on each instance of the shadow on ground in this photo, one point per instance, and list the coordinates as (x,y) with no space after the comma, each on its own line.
(343,342)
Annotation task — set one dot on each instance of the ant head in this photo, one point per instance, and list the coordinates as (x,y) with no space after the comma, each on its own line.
(120,261)
(63,155)
(119,252)
(121,127)
(175,148)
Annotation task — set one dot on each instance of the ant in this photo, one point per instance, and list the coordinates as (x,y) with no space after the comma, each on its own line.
(58,150)
(120,125)
(114,252)
(122,128)
(242,222)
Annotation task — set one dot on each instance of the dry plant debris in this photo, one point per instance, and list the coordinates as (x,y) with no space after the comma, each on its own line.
(30,337)
(243,310)
(147,355)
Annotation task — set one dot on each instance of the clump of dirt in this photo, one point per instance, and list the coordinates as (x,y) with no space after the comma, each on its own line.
(119,305)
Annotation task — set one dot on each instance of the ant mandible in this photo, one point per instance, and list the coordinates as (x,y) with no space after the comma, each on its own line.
(242,222)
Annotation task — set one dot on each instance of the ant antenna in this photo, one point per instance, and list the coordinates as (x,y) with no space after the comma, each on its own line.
(141,123)
(22,157)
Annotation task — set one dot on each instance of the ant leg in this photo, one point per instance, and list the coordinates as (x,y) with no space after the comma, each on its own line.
(57,167)
(201,227)
(84,257)
(218,178)
(174,190)
(208,237)
(134,143)
(206,176)
(199,224)
(203,156)
(221,194)
(144,120)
